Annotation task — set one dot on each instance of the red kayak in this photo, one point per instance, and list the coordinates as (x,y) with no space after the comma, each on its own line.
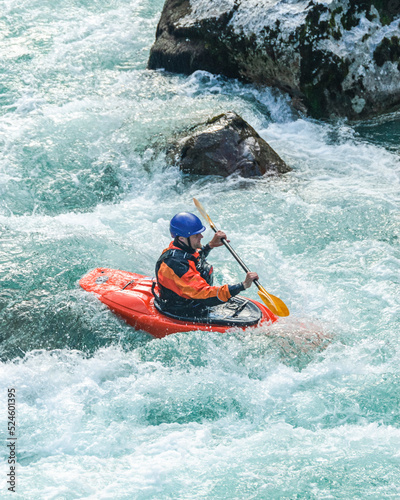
(130,296)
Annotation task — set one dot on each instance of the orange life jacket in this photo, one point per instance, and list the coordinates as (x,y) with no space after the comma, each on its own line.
(184,279)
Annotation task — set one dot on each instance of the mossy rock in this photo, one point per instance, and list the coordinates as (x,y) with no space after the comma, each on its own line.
(308,60)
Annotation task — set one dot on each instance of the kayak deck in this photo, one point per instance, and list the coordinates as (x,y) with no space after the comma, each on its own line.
(236,312)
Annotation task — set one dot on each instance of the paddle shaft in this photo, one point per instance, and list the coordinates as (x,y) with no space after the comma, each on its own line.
(275,304)
(239,260)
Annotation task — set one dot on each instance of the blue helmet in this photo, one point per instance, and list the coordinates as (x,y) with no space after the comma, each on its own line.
(185,224)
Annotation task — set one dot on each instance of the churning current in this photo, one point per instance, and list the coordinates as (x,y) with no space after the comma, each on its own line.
(305,408)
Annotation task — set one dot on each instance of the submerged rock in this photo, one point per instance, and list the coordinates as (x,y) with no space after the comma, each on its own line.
(334,57)
(224,145)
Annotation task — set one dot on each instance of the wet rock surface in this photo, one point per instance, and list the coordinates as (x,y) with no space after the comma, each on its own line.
(334,58)
(225,145)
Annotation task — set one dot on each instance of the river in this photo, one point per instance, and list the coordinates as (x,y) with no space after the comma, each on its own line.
(104,411)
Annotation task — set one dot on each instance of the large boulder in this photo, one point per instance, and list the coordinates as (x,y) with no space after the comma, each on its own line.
(224,145)
(335,57)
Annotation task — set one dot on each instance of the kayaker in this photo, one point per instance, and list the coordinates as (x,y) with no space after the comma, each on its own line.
(184,277)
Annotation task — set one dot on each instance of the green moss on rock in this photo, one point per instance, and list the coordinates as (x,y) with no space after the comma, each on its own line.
(387,10)
(321,80)
(387,50)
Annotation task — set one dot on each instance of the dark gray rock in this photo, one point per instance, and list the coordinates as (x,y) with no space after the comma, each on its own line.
(339,57)
(185,49)
(224,145)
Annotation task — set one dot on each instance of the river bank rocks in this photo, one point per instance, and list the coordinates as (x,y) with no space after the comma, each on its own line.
(334,57)
(224,145)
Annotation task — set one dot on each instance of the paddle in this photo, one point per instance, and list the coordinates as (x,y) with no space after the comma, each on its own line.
(274,304)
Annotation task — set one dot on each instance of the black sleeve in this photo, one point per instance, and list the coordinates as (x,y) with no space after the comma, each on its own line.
(235,289)
(205,251)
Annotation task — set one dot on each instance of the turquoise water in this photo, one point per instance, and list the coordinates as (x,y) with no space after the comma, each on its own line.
(306,408)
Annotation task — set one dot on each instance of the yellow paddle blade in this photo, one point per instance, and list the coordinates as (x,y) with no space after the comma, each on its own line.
(274,304)
(205,215)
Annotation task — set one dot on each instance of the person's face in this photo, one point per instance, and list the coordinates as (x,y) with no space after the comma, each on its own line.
(195,240)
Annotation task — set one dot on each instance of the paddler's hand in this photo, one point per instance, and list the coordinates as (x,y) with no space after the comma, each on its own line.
(216,241)
(250,277)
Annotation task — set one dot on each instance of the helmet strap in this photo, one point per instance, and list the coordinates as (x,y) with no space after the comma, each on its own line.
(184,243)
